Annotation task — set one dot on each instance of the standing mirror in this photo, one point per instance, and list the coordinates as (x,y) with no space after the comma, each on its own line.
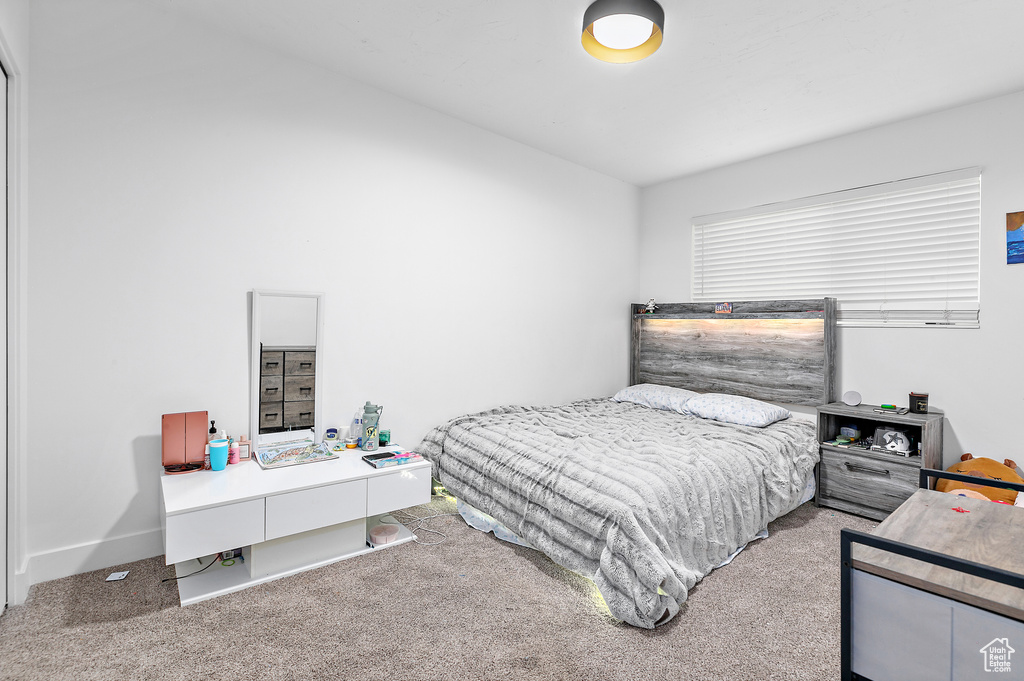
(285,380)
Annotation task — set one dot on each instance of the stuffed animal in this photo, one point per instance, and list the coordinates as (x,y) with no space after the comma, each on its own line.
(982,467)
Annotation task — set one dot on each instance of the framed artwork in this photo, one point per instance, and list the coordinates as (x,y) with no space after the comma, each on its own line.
(1015,238)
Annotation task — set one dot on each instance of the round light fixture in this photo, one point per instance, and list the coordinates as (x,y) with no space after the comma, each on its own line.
(622,31)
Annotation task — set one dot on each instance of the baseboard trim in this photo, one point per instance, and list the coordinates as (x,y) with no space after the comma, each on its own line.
(89,556)
(18,589)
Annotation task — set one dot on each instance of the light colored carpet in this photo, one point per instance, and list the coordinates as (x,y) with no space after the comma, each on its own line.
(470,608)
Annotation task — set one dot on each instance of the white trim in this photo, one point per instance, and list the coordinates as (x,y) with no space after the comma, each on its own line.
(17,292)
(95,555)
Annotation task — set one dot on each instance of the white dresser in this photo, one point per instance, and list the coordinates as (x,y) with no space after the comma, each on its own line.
(286,520)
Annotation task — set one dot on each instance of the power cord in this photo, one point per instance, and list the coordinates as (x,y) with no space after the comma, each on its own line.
(415,524)
(174,579)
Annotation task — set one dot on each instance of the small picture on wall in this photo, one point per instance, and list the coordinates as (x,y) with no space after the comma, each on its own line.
(1015,238)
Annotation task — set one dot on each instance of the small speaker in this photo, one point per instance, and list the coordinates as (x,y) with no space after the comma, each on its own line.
(851,398)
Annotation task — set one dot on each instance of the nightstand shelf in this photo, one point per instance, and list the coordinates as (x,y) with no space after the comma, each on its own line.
(866,482)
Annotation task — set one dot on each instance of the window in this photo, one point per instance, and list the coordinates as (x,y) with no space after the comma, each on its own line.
(903,253)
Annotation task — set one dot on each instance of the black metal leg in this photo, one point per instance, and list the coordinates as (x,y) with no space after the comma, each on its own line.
(845,599)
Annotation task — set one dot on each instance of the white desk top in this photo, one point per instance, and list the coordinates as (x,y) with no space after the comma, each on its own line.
(246,480)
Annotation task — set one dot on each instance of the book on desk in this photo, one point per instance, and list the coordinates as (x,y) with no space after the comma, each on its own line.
(385,459)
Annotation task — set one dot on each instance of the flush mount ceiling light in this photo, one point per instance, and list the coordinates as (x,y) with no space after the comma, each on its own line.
(623,31)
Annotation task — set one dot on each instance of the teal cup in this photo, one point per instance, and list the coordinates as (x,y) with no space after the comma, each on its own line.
(218,454)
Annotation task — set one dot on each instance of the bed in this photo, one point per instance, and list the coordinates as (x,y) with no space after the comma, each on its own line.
(645,494)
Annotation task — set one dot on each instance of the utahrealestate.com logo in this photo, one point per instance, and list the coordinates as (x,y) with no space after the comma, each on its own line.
(997,655)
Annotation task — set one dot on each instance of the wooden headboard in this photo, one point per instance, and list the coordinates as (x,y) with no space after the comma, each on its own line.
(774,350)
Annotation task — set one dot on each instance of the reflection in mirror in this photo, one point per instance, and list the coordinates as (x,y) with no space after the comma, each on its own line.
(287,329)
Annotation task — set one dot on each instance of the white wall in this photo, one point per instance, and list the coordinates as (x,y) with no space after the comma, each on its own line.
(175,168)
(975,376)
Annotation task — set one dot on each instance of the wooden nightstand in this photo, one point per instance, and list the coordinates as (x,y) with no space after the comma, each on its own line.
(871,483)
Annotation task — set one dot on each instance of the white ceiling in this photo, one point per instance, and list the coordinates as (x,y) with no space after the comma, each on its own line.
(733,80)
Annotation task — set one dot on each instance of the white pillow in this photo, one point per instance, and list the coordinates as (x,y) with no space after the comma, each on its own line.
(735,409)
(656,396)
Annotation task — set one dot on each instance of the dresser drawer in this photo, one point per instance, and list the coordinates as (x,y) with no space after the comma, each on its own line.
(868,482)
(298,414)
(212,530)
(271,415)
(311,509)
(299,363)
(298,388)
(272,363)
(271,388)
(403,488)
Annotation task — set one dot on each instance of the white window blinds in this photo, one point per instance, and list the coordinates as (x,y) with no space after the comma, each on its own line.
(897,254)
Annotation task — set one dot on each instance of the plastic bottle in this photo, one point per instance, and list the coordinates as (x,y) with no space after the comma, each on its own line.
(233,451)
(211,436)
(371,419)
(356,429)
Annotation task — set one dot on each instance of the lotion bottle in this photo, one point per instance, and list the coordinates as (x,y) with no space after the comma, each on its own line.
(211,436)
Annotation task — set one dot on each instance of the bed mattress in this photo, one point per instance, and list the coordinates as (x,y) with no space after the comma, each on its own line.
(644,502)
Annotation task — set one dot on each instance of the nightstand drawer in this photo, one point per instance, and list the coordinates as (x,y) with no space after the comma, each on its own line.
(865,481)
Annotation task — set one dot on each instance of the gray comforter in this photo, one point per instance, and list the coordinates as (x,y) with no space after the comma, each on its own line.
(643,502)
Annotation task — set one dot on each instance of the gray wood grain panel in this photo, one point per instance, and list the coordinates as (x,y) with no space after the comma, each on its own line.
(271,388)
(271,363)
(773,360)
(871,483)
(735,315)
(831,358)
(988,534)
(298,388)
(271,415)
(761,309)
(634,349)
(299,363)
(298,414)
(773,350)
(854,508)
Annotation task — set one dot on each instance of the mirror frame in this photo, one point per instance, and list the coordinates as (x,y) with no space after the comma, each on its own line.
(254,361)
